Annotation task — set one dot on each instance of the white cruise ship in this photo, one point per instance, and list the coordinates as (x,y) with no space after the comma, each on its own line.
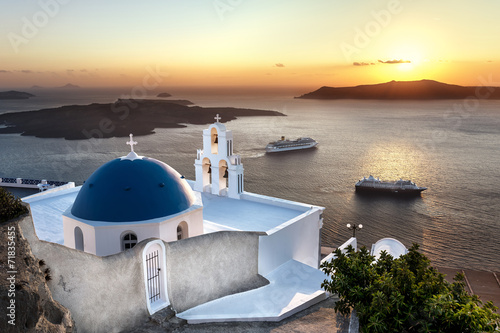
(287,145)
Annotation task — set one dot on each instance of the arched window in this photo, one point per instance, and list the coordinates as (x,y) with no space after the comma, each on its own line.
(129,240)
(179,232)
(182,230)
(79,239)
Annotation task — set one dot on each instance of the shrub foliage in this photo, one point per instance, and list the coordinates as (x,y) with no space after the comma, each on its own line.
(10,206)
(404,294)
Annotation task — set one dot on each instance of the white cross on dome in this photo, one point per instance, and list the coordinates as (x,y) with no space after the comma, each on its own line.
(131,142)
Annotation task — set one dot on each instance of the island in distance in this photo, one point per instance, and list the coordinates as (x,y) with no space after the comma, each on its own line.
(69,86)
(400,90)
(119,119)
(12,94)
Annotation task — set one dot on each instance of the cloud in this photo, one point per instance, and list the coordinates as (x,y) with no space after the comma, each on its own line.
(395,61)
(26,71)
(362,63)
(4,71)
(83,70)
(279,65)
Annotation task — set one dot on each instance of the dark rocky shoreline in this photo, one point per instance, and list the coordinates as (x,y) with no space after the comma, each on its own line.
(405,90)
(15,95)
(119,119)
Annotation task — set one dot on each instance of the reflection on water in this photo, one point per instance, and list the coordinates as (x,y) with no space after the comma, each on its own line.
(395,160)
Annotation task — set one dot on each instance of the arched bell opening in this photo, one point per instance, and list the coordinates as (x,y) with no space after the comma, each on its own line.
(223,176)
(207,173)
(214,139)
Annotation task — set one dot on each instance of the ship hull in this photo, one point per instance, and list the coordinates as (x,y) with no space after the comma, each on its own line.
(277,150)
(389,191)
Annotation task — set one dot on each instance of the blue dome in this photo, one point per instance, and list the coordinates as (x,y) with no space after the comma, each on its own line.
(125,190)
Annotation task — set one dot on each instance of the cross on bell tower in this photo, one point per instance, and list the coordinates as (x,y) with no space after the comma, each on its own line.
(218,170)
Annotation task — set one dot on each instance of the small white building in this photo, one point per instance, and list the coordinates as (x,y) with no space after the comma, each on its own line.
(136,198)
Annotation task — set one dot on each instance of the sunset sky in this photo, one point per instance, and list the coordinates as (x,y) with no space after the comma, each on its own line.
(247,42)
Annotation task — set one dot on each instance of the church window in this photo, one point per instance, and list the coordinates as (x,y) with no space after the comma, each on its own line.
(79,239)
(129,241)
(182,230)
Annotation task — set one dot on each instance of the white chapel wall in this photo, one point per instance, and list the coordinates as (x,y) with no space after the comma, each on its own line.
(104,294)
(108,294)
(207,267)
(298,240)
(193,219)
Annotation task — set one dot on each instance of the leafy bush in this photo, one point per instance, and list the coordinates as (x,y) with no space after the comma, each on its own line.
(404,294)
(10,206)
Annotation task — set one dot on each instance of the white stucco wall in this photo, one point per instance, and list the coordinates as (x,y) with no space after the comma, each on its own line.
(89,238)
(297,239)
(109,294)
(104,294)
(194,220)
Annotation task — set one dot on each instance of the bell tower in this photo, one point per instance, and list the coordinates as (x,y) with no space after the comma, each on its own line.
(218,170)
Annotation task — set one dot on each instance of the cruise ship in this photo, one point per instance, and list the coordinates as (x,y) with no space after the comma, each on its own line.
(375,185)
(287,145)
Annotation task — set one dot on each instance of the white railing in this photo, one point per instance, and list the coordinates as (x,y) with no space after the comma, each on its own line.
(352,241)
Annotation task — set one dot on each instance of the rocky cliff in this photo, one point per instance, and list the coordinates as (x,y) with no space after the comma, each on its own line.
(25,298)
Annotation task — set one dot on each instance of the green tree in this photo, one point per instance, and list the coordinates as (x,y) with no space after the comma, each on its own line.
(10,206)
(404,294)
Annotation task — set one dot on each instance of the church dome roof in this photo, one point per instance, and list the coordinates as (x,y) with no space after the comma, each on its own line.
(125,190)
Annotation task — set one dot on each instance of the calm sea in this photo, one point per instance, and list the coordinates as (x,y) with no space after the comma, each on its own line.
(448,146)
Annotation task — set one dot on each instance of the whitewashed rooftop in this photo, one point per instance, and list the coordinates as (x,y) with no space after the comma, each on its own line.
(47,209)
(293,286)
(266,214)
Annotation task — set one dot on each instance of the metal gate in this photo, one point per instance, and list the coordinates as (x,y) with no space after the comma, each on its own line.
(153,276)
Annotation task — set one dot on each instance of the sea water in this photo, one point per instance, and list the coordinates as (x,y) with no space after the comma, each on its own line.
(449,146)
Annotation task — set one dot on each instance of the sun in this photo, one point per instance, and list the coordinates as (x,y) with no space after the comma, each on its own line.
(406,66)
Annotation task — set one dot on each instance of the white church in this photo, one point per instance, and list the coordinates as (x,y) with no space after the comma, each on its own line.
(208,248)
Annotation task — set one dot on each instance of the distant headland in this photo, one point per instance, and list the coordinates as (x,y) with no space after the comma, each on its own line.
(69,86)
(119,119)
(401,90)
(15,95)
